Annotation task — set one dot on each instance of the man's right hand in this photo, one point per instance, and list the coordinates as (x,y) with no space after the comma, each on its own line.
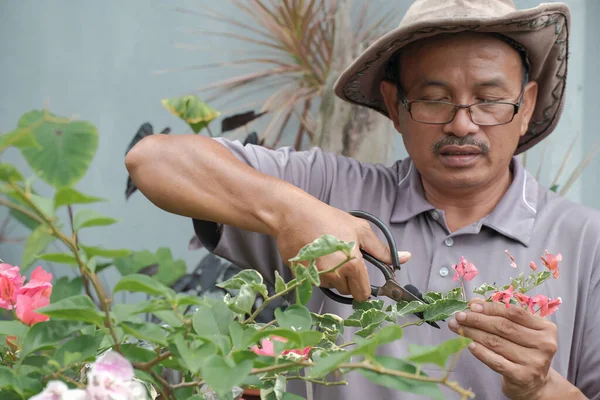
(308,222)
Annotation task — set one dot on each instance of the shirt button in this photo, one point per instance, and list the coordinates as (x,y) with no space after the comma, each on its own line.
(449,242)
(444,271)
(435,215)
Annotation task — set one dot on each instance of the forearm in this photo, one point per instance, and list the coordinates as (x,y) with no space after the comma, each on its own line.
(559,388)
(197,177)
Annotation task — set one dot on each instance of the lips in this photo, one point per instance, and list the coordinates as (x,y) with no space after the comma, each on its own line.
(459,156)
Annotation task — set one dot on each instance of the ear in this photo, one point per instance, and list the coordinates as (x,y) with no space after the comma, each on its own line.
(528,106)
(389,91)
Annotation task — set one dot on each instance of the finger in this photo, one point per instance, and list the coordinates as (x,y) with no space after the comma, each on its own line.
(404,256)
(499,345)
(513,313)
(358,289)
(357,279)
(501,327)
(372,245)
(495,361)
(334,280)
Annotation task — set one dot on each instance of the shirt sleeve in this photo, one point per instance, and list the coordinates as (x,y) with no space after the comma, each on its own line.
(588,371)
(312,171)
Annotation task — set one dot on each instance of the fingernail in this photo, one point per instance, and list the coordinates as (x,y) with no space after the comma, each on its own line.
(453,324)
(403,254)
(472,345)
(461,316)
(476,307)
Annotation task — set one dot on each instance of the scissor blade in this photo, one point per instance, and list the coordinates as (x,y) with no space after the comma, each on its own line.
(396,292)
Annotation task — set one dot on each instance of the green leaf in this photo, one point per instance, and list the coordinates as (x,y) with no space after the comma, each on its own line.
(437,354)
(48,333)
(169,318)
(146,331)
(212,320)
(246,277)
(221,376)
(36,243)
(429,389)
(330,324)
(554,188)
(169,270)
(367,305)
(403,308)
(454,294)
(63,258)
(143,283)
(243,302)
(304,293)
(372,316)
(13,328)
(66,147)
(63,288)
(322,246)
(75,308)
(68,196)
(9,173)
(106,253)
(196,113)
(183,299)
(196,355)
(44,204)
(431,297)
(20,138)
(442,309)
(296,317)
(483,289)
(354,318)
(9,380)
(79,349)
(294,338)
(89,218)
(280,285)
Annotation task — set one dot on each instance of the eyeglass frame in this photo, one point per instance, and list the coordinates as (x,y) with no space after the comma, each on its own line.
(407,105)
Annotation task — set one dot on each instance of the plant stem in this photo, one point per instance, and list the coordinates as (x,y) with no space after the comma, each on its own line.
(269,299)
(20,209)
(146,366)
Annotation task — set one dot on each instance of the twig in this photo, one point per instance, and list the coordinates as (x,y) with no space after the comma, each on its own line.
(146,366)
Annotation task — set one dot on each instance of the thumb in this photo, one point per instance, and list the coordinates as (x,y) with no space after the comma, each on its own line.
(375,247)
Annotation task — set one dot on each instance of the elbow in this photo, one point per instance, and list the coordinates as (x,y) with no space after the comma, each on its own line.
(141,155)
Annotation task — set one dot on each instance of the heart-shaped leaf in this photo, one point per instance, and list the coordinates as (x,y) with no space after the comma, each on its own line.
(324,245)
(74,308)
(221,376)
(66,147)
(193,111)
(296,317)
(437,354)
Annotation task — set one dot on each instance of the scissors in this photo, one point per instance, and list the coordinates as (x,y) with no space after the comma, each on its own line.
(391,288)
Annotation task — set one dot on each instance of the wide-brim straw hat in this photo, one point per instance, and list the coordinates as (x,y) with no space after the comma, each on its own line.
(543,31)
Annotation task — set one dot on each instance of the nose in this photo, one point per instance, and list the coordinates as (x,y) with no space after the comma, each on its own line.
(461,125)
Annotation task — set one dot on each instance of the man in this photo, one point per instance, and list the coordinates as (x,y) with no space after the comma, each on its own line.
(460,193)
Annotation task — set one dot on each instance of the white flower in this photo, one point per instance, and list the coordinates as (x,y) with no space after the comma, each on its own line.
(57,390)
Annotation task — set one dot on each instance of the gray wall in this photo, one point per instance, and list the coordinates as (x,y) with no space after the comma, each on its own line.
(98,61)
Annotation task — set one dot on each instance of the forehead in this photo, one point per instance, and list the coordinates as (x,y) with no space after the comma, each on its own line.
(459,54)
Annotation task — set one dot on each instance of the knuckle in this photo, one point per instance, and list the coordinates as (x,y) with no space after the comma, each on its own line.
(492,342)
(517,313)
(548,346)
(506,327)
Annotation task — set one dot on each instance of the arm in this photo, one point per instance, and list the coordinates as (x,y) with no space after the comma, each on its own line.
(197,177)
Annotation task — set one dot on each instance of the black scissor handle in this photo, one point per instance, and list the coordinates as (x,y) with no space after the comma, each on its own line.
(384,268)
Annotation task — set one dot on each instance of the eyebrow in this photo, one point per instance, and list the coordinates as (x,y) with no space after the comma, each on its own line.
(492,83)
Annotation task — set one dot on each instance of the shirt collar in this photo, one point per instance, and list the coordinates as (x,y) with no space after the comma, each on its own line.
(514,216)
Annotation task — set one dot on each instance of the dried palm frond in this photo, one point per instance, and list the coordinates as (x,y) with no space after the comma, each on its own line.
(291,44)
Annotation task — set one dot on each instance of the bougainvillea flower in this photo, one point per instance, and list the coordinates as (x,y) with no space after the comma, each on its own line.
(38,284)
(26,306)
(57,390)
(523,299)
(551,262)
(503,296)
(112,377)
(11,282)
(465,269)
(268,349)
(512,259)
(532,266)
(539,301)
(552,307)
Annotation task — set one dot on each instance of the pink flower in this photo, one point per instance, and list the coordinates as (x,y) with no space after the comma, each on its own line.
(540,301)
(552,307)
(35,294)
(551,262)
(465,269)
(268,349)
(523,299)
(57,390)
(503,296)
(10,284)
(532,266)
(26,306)
(112,377)
(512,259)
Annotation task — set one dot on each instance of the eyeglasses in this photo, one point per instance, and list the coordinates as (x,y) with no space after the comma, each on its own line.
(488,113)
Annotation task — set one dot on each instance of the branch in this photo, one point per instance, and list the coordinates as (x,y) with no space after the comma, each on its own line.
(146,366)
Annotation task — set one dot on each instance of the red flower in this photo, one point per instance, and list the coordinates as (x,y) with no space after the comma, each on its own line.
(465,269)
(532,265)
(551,262)
(503,296)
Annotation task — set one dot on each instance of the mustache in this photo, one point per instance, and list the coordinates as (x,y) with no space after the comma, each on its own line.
(460,141)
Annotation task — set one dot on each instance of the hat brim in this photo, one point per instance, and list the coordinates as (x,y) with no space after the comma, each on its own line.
(543,31)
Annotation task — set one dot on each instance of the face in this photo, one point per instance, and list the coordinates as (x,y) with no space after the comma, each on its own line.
(463,68)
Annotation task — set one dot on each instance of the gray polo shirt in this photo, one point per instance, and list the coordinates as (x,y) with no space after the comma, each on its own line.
(528,220)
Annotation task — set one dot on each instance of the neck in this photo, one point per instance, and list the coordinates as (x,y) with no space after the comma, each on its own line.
(465,206)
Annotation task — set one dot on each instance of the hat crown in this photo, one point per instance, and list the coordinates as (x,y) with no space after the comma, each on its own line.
(434,10)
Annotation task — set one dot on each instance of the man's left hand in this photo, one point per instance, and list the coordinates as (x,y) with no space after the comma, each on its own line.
(513,342)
